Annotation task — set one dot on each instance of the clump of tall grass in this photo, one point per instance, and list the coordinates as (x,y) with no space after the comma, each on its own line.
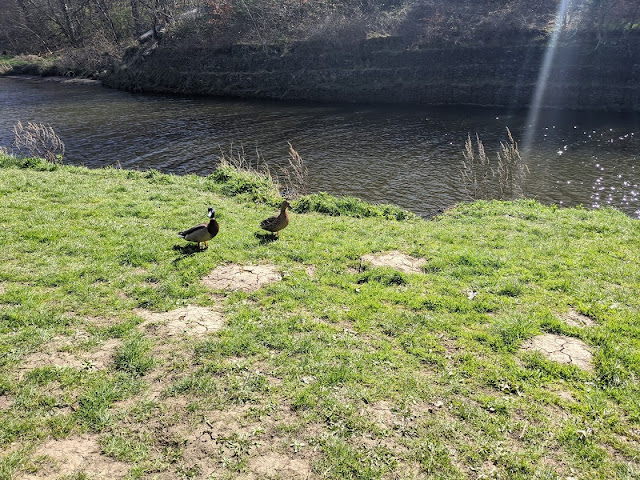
(38,140)
(512,173)
(238,174)
(476,170)
(7,160)
(349,206)
(294,178)
(290,180)
(237,158)
(482,182)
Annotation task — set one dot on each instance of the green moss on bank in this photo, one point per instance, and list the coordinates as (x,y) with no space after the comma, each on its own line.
(342,369)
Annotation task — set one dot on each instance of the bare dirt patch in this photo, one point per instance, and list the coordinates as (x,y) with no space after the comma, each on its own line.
(248,278)
(561,349)
(104,354)
(72,456)
(226,438)
(564,395)
(396,260)
(56,353)
(399,421)
(189,320)
(577,319)
(221,435)
(54,359)
(381,413)
(5,402)
(277,465)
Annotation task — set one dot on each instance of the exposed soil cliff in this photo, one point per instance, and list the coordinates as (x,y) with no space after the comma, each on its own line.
(386,70)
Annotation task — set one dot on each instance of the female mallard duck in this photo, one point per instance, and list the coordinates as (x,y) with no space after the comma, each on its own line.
(204,232)
(277,222)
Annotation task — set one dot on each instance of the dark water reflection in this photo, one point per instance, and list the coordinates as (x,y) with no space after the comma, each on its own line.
(409,156)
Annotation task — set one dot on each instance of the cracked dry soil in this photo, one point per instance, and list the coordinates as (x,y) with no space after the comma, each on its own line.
(561,349)
(248,278)
(55,354)
(67,458)
(189,320)
(577,319)
(396,260)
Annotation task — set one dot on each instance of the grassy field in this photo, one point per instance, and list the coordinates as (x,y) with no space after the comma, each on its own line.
(341,369)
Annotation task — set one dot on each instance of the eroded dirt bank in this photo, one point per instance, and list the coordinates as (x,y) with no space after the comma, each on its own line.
(387,70)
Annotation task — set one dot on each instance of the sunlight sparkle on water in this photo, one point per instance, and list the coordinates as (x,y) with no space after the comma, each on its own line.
(543,76)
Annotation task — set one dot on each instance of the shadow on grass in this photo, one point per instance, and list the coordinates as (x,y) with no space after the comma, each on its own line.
(187,250)
(265,238)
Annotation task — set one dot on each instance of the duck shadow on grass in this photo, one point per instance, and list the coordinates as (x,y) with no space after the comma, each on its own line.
(265,238)
(188,250)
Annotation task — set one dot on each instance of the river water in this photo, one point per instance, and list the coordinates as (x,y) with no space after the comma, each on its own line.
(408,156)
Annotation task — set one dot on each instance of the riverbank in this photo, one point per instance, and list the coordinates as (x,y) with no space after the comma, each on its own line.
(354,347)
(386,70)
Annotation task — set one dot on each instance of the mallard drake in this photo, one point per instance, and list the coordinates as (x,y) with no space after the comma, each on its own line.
(277,222)
(204,232)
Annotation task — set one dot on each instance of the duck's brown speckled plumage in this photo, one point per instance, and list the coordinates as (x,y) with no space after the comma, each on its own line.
(277,222)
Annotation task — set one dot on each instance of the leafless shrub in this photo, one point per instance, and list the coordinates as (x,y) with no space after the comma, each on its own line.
(481,181)
(340,29)
(95,56)
(38,140)
(475,23)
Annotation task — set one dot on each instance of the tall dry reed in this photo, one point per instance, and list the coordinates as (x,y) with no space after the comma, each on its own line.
(38,140)
(481,181)
(291,179)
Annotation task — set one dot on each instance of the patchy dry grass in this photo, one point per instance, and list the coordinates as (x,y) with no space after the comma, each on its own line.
(340,367)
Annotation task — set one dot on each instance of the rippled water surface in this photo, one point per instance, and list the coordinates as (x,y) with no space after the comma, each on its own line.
(409,156)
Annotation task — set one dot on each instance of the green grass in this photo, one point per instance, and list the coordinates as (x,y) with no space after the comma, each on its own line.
(10,60)
(28,65)
(351,371)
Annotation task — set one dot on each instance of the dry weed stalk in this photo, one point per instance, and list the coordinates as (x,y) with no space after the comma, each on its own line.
(291,179)
(476,170)
(511,171)
(39,140)
(295,176)
(481,181)
(237,158)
